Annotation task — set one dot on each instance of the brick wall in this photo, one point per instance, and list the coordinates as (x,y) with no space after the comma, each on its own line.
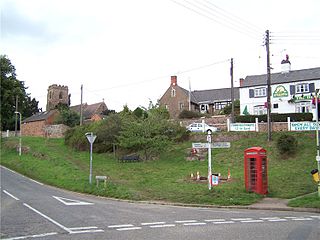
(33,128)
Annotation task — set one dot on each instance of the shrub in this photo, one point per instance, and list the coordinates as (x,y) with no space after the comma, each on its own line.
(287,144)
(189,114)
(275,117)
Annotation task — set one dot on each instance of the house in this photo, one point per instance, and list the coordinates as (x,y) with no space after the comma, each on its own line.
(35,125)
(291,91)
(92,112)
(176,99)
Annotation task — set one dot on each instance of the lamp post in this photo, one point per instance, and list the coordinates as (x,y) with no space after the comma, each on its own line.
(20,132)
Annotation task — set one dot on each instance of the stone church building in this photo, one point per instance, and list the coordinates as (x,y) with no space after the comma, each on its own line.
(42,123)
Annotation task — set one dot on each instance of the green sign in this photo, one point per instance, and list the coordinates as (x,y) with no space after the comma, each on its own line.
(280,92)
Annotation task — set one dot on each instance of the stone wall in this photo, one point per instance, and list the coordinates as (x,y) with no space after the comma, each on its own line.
(55,131)
(33,128)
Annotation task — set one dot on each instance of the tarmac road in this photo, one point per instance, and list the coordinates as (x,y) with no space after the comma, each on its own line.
(31,210)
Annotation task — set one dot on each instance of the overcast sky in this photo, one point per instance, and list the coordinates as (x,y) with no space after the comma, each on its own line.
(125,51)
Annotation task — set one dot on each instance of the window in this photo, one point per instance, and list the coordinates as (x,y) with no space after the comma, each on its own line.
(276,105)
(181,106)
(50,95)
(302,88)
(173,92)
(303,107)
(220,105)
(260,92)
(259,110)
(166,106)
(60,95)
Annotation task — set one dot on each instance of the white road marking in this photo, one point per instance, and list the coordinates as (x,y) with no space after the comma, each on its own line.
(269,218)
(83,228)
(9,194)
(152,223)
(214,220)
(128,229)
(87,231)
(71,202)
(318,217)
(194,224)
(163,226)
(223,222)
(48,218)
(32,236)
(120,226)
(34,181)
(302,219)
(241,219)
(186,221)
(290,217)
(278,220)
(252,221)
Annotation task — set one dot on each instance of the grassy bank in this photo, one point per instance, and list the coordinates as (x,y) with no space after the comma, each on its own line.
(168,178)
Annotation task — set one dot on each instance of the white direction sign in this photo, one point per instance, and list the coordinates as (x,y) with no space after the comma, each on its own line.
(71,202)
(221,145)
(213,145)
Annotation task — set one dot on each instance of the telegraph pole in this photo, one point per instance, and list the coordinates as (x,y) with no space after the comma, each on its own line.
(268,85)
(81,106)
(232,92)
(16,119)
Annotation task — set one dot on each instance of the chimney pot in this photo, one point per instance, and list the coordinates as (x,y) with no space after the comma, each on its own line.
(241,82)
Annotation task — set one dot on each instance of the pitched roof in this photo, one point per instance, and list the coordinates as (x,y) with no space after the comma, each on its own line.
(88,110)
(40,116)
(215,95)
(276,78)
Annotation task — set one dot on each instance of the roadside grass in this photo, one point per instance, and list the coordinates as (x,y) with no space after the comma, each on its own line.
(308,201)
(168,178)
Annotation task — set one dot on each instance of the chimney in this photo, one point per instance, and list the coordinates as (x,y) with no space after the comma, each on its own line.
(286,65)
(241,82)
(174,80)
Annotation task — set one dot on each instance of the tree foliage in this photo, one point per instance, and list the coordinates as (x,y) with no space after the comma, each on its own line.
(12,89)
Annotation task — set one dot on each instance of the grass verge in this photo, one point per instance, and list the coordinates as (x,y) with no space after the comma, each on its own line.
(168,178)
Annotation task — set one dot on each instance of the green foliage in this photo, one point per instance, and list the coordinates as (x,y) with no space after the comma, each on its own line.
(189,114)
(67,117)
(287,144)
(227,109)
(140,113)
(151,135)
(12,88)
(275,117)
(107,132)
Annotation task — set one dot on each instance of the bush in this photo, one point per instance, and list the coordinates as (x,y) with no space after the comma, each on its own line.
(287,144)
(189,114)
(275,117)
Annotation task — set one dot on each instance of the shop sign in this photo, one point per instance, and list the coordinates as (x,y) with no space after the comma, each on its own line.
(303,126)
(280,92)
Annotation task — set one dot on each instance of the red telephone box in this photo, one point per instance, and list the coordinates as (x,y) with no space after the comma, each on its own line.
(256,170)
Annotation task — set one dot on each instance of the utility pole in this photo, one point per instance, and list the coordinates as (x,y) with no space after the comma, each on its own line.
(268,85)
(16,120)
(81,106)
(232,92)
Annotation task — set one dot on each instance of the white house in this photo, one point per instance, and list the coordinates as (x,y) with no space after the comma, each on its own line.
(291,92)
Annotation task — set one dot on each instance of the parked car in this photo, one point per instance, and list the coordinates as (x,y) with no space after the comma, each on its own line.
(201,127)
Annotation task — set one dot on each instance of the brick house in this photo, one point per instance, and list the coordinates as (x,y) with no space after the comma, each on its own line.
(92,112)
(176,99)
(36,124)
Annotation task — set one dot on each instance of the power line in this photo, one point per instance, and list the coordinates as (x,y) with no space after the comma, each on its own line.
(161,77)
(209,14)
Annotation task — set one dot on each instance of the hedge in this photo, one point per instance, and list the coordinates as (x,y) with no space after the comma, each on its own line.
(275,117)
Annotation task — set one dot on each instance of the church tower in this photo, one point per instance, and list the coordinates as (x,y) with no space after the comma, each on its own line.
(57,94)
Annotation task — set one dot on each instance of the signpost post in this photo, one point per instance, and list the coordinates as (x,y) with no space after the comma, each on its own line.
(91,139)
(209,139)
(317,131)
(210,145)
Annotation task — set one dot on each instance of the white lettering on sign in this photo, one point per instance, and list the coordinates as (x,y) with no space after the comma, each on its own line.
(239,127)
(303,126)
(213,145)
